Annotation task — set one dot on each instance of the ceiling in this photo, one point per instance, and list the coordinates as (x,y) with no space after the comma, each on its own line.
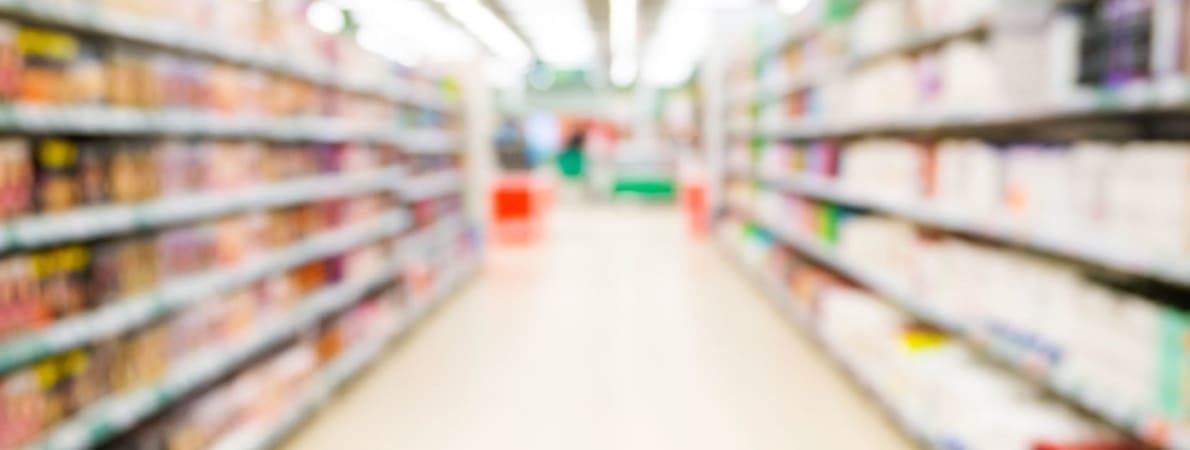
(597,11)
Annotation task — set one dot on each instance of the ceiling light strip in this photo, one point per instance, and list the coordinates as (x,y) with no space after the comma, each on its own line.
(624,29)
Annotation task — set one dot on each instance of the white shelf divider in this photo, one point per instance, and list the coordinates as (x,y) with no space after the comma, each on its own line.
(436,184)
(1064,243)
(99,221)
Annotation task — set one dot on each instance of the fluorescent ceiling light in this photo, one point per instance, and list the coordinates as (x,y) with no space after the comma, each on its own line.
(490,30)
(559,31)
(682,36)
(325,17)
(408,31)
(623,31)
(792,6)
(731,4)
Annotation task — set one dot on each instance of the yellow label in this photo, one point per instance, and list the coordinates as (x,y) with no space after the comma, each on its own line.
(73,259)
(75,362)
(46,43)
(56,153)
(918,340)
(47,374)
(44,264)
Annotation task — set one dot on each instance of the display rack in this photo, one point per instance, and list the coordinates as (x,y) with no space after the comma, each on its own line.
(100,221)
(1151,428)
(1064,243)
(782,301)
(432,185)
(386,195)
(1166,96)
(341,371)
(94,18)
(105,121)
(134,312)
(764,95)
(112,416)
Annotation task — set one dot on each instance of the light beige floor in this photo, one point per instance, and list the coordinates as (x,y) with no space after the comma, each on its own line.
(616,333)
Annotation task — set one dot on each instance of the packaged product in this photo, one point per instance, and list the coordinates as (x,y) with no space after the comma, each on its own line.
(93,172)
(61,274)
(59,187)
(16,178)
(11,61)
(47,56)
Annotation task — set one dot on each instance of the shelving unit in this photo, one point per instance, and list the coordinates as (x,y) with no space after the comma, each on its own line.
(1149,427)
(134,312)
(340,372)
(1166,96)
(799,82)
(100,221)
(782,302)
(1065,243)
(119,413)
(384,142)
(815,144)
(93,18)
(432,185)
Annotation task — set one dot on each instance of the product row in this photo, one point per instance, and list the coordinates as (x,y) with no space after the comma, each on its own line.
(263,392)
(936,385)
(278,23)
(39,396)
(43,66)
(43,286)
(1125,345)
(429,211)
(51,175)
(832,31)
(1136,194)
(258,397)
(420,164)
(275,26)
(1013,56)
(960,77)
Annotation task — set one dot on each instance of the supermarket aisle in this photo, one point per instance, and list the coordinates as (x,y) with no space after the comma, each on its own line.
(615,334)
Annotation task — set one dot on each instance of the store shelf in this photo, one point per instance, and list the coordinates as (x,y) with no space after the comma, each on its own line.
(93,18)
(920,42)
(436,184)
(784,303)
(1168,95)
(430,142)
(109,417)
(1068,244)
(131,313)
(1148,427)
(107,220)
(446,226)
(113,121)
(341,370)
(913,44)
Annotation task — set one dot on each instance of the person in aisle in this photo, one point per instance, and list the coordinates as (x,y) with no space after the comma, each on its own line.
(572,159)
(510,147)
